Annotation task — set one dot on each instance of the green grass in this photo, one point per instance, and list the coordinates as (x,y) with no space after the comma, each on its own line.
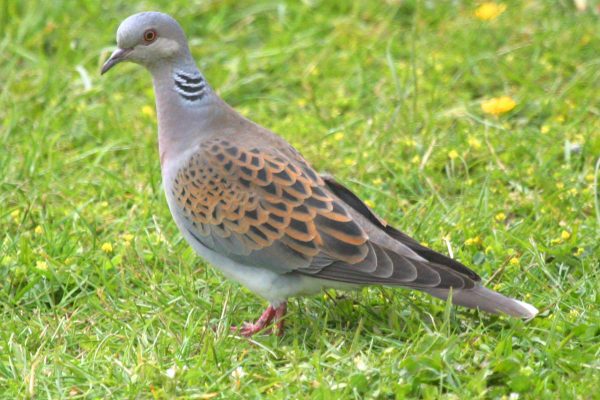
(380,93)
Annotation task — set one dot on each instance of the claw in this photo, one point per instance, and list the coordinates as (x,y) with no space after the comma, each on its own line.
(271,313)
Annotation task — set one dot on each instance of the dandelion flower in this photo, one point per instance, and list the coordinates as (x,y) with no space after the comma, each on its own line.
(41,265)
(338,136)
(498,105)
(128,237)
(106,247)
(565,235)
(589,178)
(453,154)
(474,142)
(474,241)
(38,230)
(148,111)
(15,215)
(500,217)
(514,261)
(489,11)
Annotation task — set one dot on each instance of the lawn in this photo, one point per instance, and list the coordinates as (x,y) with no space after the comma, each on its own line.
(100,297)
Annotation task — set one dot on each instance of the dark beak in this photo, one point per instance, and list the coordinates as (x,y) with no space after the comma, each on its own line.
(116,57)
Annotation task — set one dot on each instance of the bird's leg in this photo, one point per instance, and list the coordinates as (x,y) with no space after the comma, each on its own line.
(280,318)
(248,329)
(276,314)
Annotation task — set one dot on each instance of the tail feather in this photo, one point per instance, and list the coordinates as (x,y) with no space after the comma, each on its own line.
(486,300)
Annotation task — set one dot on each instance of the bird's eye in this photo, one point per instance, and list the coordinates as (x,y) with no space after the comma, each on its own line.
(150,36)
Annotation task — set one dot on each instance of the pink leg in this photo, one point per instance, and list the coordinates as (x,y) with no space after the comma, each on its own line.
(248,329)
(270,314)
(279,319)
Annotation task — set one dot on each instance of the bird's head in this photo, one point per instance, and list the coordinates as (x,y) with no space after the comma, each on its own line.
(149,39)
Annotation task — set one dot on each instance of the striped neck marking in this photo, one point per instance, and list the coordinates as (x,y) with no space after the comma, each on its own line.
(191,87)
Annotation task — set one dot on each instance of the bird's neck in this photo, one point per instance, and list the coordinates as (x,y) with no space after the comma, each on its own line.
(183,103)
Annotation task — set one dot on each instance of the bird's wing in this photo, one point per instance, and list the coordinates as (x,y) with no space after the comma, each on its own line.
(265,206)
(430,268)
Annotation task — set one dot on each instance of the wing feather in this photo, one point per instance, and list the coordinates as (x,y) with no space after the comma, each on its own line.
(248,200)
(265,206)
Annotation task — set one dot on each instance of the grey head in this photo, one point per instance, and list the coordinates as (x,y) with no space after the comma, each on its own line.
(150,39)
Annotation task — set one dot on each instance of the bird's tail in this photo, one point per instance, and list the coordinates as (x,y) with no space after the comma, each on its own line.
(486,300)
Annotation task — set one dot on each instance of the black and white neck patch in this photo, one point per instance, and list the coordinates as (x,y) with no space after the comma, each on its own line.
(190,86)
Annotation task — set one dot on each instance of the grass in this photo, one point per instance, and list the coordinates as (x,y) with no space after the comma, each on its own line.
(101,298)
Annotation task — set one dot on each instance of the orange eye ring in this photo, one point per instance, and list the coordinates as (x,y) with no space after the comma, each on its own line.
(150,36)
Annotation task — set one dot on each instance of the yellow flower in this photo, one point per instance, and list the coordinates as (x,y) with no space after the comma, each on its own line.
(453,154)
(545,129)
(579,251)
(473,241)
(589,178)
(474,142)
(489,10)
(530,171)
(498,105)
(409,142)
(560,185)
(106,247)
(565,235)
(148,111)
(514,261)
(500,217)
(416,159)
(41,265)
(338,136)
(38,230)
(15,215)
(369,203)
(128,237)
(585,39)
(301,103)
(377,181)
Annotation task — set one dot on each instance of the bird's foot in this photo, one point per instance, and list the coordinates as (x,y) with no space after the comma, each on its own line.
(271,313)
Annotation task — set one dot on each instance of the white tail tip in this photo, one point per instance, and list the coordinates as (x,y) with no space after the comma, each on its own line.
(530,309)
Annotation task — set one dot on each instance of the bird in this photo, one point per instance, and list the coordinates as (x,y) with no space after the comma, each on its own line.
(252,206)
